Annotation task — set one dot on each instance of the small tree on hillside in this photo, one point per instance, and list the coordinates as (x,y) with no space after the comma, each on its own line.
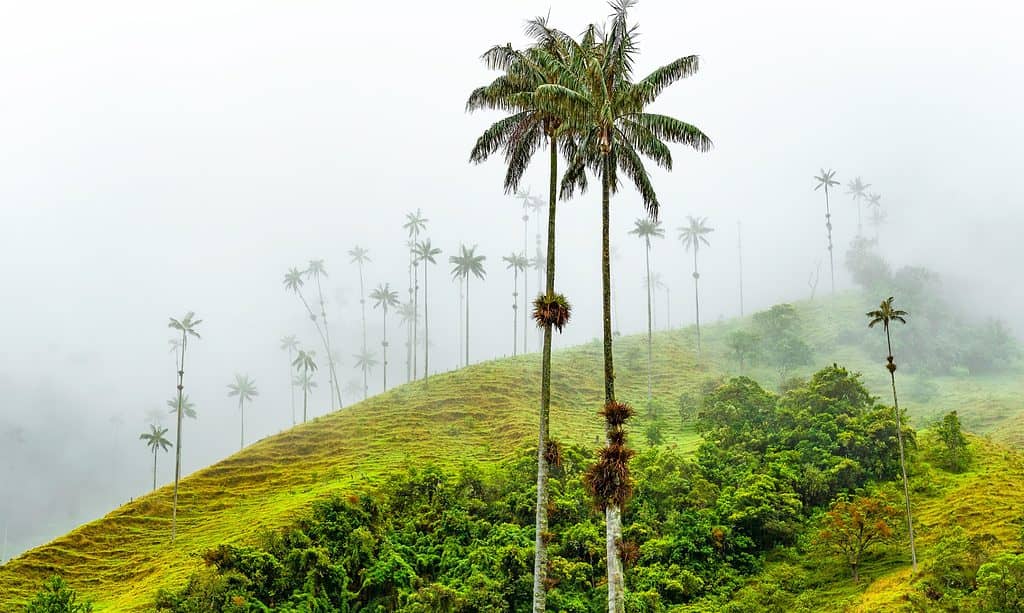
(57,597)
(850,527)
(745,346)
(955,454)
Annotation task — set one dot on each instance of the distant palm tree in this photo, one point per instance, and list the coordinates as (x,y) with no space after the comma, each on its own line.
(877,216)
(188,408)
(360,257)
(354,387)
(305,382)
(293,281)
(654,284)
(407,317)
(156,441)
(384,297)
(175,344)
(290,344)
(425,252)
(316,270)
(305,363)
(516,262)
(463,265)
(530,203)
(886,314)
(365,362)
(858,190)
(692,236)
(414,224)
(826,180)
(187,326)
(245,389)
(646,229)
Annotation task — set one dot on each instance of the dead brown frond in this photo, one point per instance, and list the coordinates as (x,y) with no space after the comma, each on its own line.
(553,453)
(554,311)
(608,480)
(616,413)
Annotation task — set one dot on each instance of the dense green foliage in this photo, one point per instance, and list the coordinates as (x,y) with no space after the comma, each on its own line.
(695,527)
(57,597)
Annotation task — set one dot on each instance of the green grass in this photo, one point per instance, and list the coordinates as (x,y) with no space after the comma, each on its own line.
(487,413)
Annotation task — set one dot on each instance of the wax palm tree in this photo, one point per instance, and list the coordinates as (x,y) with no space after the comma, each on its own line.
(887,314)
(692,235)
(425,252)
(515,262)
(825,180)
(245,389)
(407,317)
(414,224)
(858,191)
(463,265)
(305,364)
(646,229)
(187,326)
(384,298)
(528,202)
(188,408)
(877,216)
(316,270)
(653,285)
(291,345)
(305,382)
(360,257)
(156,441)
(365,361)
(294,281)
(604,107)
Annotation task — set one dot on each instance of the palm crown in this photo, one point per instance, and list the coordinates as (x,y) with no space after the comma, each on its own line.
(316,268)
(293,279)
(424,251)
(695,233)
(289,343)
(186,325)
(243,387)
(384,297)
(825,179)
(874,201)
(516,261)
(467,263)
(857,188)
(365,361)
(156,438)
(885,314)
(187,406)
(359,255)
(415,223)
(647,229)
(305,360)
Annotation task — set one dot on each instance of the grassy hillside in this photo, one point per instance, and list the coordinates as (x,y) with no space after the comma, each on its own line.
(486,413)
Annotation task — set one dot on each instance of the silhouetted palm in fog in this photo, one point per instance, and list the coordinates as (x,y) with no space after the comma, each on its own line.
(291,345)
(188,408)
(826,180)
(305,382)
(425,253)
(414,224)
(187,326)
(515,262)
(293,281)
(245,389)
(305,364)
(316,270)
(646,229)
(365,362)
(692,235)
(384,298)
(887,314)
(463,265)
(858,190)
(156,441)
(360,257)
(877,215)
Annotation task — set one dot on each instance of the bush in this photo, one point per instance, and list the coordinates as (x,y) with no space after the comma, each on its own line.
(57,597)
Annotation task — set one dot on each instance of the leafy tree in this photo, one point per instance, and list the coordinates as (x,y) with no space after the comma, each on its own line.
(955,454)
(291,345)
(360,257)
(852,526)
(1001,584)
(245,389)
(187,326)
(384,297)
(305,364)
(414,224)
(744,345)
(156,441)
(692,236)
(515,262)
(779,329)
(316,270)
(858,191)
(57,597)
(886,314)
(425,252)
(467,263)
(826,180)
(645,229)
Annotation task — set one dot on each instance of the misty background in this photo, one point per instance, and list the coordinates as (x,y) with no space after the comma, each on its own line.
(161,159)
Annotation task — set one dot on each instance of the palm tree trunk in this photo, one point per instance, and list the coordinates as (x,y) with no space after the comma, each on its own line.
(526,275)
(362,308)
(515,310)
(305,391)
(384,348)
(241,411)
(540,559)
(291,358)
(415,318)
(467,319)
(828,227)
(426,326)
(650,351)
(154,476)
(696,297)
(903,465)
(335,387)
(408,329)
(462,315)
(177,440)
(613,515)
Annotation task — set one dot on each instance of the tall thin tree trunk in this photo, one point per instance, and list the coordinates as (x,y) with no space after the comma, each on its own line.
(384,347)
(526,275)
(828,227)
(291,382)
(540,274)
(335,387)
(467,319)
(415,318)
(540,559)
(613,514)
(408,329)
(241,411)
(177,440)
(362,308)
(696,296)
(154,476)
(462,315)
(426,325)
(305,391)
(650,344)
(515,310)
(899,437)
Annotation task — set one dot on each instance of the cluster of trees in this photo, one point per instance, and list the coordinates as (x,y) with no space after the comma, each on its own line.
(774,339)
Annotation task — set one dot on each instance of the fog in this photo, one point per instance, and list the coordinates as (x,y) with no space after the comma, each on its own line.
(161,159)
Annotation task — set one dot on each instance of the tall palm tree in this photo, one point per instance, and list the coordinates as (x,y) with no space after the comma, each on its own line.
(603,106)
(528,205)
(187,326)
(646,229)
(360,257)
(305,363)
(293,281)
(463,265)
(383,298)
(414,224)
(877,216)
(245,389)
(858,191)
(290,344)
(156,441)
(365,361)
(886,314)
(188,408)
(425,253)
(305,382)
(516,262)
(654,284)
(407,317)
(826,180)
(316,270)
(692,236)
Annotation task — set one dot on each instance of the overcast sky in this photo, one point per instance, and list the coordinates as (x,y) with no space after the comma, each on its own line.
(160,158)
